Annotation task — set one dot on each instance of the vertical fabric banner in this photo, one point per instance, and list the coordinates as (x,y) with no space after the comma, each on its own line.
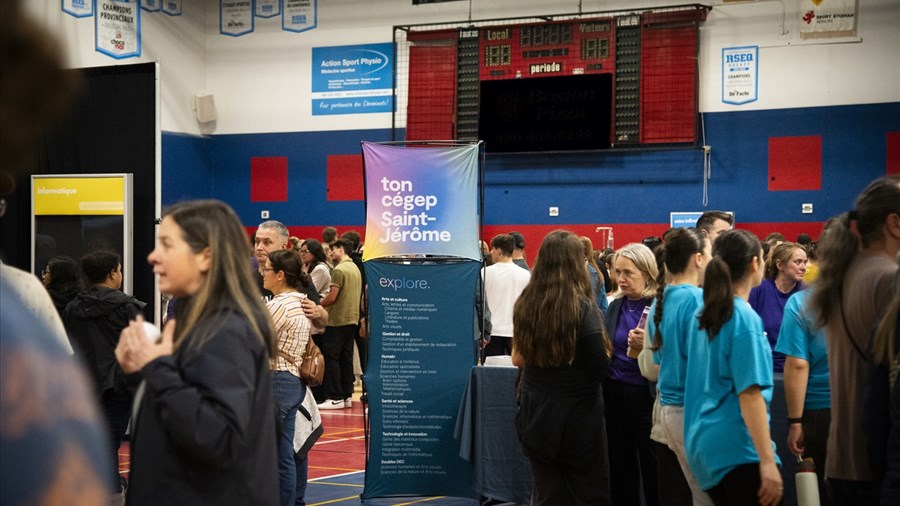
(740,76)
(422,321)
(268,8)
(235,17)
(421,201)
(117,28)
(78,8)
(299,15)
(822,19)
(172,7)
(151,5)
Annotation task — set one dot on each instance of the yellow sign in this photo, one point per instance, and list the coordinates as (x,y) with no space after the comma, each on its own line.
(79,196)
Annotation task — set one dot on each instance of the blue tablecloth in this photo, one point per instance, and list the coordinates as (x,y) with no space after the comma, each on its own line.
(487,435)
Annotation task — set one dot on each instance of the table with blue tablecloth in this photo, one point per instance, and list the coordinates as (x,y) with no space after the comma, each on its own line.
(487,435)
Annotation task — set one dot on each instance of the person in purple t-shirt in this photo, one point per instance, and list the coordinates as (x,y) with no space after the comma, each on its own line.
(629,403)
(785,268)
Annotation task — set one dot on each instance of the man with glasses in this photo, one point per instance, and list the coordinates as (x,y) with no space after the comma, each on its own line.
(270,236)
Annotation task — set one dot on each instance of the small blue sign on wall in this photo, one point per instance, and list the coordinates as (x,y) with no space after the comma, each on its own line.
(352,79)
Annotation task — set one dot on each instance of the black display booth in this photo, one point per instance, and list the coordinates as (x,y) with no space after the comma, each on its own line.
(110,128)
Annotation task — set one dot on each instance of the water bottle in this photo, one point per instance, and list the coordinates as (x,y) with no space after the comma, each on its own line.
(807,483)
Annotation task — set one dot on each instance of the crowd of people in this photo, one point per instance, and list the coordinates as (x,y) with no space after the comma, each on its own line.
(727,313)
(647,371)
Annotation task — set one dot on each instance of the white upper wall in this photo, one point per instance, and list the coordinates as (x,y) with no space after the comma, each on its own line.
(262,82)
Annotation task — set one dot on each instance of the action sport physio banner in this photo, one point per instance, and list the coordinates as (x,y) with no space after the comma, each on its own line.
(421,200)
(352,79)
(422,324)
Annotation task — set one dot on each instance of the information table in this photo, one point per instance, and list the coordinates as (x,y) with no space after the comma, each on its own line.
(487,435)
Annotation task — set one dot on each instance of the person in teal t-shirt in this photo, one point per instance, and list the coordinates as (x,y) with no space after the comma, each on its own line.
(671,327)
(806,386)
(729,382)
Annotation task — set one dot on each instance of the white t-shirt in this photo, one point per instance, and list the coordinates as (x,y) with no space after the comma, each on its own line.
(503,283)
(34,296)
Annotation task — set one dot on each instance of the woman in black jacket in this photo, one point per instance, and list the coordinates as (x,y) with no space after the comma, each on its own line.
(562,349)
(204,430)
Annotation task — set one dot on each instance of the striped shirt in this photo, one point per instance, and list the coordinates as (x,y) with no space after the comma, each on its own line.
(292,328)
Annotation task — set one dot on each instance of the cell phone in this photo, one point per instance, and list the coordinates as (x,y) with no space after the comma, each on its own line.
(642,323)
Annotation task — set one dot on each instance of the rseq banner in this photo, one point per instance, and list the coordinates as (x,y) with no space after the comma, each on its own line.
(421,201)
(422,326)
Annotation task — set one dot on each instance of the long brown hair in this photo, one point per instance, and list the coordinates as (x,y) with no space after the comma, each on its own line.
(229,284)
(838,244)
(548,313)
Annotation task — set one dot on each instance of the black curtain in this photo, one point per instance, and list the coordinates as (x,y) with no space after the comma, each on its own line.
(110,128)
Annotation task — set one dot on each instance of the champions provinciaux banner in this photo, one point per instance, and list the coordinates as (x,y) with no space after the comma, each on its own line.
(421,201)
(422,321)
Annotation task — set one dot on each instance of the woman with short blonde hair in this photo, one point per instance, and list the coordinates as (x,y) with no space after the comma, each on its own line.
(629,404)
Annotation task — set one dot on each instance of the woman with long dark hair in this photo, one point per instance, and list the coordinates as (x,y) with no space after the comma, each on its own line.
(849,298)
(315,263)
(63,279)
(204,428)
(283,276)
(729,382)
(563,352)
(673,330)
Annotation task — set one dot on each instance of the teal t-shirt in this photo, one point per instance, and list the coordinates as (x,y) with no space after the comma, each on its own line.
(716,438)
(800,338)
(679,325)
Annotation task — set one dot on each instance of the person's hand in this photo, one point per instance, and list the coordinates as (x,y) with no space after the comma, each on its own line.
(134,350)
(636,338)
(771,487)
(795,439)
(312,310)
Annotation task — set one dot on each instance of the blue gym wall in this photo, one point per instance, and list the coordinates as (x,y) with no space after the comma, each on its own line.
(632,191)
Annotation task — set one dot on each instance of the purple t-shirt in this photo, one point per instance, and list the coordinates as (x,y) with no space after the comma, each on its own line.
(768,302)
(623,368)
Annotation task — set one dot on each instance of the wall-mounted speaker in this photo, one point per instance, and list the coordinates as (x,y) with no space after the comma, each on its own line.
(205,106)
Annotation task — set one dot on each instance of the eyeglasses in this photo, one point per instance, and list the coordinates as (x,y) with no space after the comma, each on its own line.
(45,271)
(304,251)
(266,269)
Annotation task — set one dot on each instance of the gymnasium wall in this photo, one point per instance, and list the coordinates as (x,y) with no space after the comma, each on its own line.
(309,180)
(825,124)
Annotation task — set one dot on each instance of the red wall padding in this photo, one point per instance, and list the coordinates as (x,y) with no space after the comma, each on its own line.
(344,175)
(668,84)
(795,163)
(431,110)
(268,178)
(893,153)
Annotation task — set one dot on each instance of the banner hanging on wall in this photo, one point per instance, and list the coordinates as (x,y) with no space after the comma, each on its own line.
(235,17)
(821,19)
(740,79)
(299,15)
(268,8)
(422,321)
(352,79)
(172,7)
(78,8)
(151,5)
(421,200)
(117,28)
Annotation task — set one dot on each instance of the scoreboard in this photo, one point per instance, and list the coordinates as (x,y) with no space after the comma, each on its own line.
(650,57)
